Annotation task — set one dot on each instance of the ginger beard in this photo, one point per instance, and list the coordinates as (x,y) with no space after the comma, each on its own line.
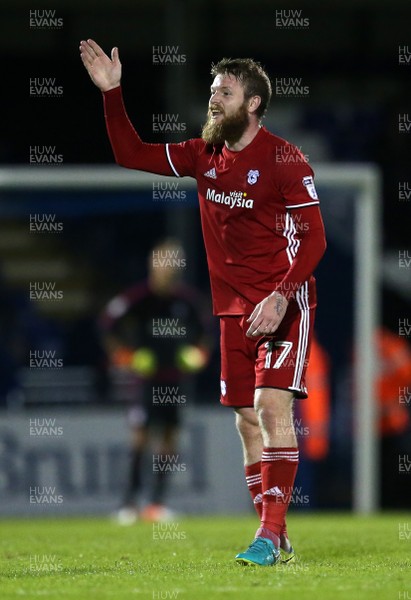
(229,130)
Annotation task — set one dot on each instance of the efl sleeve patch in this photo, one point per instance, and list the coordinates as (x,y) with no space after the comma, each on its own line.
(308,182)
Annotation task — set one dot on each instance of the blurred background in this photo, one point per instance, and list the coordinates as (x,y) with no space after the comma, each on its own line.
(341,88)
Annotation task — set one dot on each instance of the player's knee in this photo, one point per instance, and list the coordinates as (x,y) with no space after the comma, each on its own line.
(273,400)
(273,409)
(267,416)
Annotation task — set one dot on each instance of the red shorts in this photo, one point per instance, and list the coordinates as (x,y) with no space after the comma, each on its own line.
(276,361)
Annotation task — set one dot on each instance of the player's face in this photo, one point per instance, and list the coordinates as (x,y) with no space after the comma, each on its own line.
(227,116)
(227,95)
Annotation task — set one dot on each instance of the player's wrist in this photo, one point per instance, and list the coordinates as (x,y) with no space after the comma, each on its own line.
(110,88)
(278,294)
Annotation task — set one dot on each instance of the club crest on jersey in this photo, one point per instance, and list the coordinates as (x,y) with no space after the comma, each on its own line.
(252,176)
(308,182)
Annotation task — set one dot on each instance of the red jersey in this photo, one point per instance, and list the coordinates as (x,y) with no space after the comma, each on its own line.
(245,201)
(259,209)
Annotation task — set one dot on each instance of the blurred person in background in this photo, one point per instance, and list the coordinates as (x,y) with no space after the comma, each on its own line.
(393,399)
(157,330)
(394,422)
(313,418)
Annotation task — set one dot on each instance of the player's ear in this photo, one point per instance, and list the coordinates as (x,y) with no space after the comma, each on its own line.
(253,103)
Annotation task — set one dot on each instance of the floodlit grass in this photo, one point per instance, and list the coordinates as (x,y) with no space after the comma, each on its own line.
(339,557)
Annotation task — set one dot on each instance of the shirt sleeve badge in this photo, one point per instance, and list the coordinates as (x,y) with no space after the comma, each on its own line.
(308,182)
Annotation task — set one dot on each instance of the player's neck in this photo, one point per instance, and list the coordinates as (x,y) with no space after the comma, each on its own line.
(246,139)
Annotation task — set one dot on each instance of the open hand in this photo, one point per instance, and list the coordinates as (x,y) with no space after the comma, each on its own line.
(104,72)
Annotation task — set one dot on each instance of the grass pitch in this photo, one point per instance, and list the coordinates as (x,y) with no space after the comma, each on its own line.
(339,557)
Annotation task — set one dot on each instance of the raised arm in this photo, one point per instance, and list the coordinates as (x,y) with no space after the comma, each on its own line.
(128,148)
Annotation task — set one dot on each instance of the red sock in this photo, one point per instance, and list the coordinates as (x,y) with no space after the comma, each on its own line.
(278,470)
(253,478)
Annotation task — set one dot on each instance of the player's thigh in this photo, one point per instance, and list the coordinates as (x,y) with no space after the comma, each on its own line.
(282,359)
(237,363)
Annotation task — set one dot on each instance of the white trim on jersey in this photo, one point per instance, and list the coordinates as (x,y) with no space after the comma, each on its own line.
(304,327)
(303,204)
(289,233)
(170,162)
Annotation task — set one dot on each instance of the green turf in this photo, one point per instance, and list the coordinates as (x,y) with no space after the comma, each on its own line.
(340,557)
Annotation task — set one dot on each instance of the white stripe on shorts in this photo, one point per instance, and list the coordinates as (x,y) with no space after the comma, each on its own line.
(304,328)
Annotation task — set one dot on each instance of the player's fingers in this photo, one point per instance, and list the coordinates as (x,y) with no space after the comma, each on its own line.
(263,329)
(114,55)
(86,62)
(98,51)
(249,331)
(87,51)
(253,315)
(254,328)
(266,327)
(272,326)
(84,55)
